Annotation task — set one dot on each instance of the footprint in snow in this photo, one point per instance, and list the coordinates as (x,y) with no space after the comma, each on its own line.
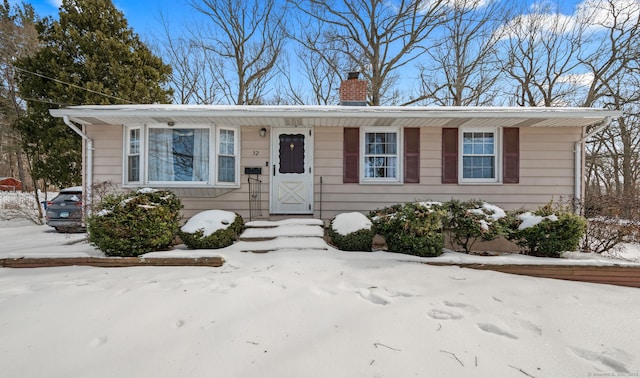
(443,315)
(530,326)
(614,359)
(492,328)
(372,297)
(462,306)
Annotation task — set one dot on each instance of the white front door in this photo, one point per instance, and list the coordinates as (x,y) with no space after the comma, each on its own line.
(291,171)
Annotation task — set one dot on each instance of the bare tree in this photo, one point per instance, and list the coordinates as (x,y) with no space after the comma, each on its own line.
(462,68)
(540,53)
(313,78)
(246,38)
(192,77)
(610,49)
(376,37)
(613,77)
(18,37)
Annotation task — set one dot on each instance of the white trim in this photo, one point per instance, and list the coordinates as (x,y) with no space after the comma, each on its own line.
(176,110)
(497,153)
(399,155)
(126,155)
(211,181)
(306,179)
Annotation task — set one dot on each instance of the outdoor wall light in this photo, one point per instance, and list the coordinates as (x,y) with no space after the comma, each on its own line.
(263,132)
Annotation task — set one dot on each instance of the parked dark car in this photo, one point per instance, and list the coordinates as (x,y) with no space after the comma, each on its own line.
(64,212)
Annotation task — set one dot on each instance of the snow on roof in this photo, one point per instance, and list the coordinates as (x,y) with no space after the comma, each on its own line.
(335,110)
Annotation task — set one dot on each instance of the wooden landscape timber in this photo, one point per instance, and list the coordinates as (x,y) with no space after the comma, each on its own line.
(111,262)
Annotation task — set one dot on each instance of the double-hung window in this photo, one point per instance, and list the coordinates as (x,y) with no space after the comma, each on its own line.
(199,155)
(381,153)
(133,155)
(226,155)
(478,161)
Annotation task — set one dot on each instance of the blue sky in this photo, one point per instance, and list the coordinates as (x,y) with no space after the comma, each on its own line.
(144,15)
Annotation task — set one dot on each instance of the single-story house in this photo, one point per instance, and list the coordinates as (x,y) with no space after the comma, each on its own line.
(270,161)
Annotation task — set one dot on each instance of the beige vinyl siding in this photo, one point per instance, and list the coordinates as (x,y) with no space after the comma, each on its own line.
(546,173)
(107,154)
(254,152)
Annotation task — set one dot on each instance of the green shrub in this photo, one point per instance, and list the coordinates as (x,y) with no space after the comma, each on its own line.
(356,240)
(411,228)
(135,223)
(469,221)
(547,232)
(211,229)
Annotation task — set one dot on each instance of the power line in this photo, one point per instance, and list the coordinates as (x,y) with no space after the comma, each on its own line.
(73,85)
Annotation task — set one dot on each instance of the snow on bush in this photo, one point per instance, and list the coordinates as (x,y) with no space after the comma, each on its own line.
(134,223)
(351,232)
(413,228)
(530,220)
(211,229)
(469,221)
(347,223)
(548,231)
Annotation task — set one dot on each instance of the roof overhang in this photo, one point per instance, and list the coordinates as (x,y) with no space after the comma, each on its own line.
(337,116)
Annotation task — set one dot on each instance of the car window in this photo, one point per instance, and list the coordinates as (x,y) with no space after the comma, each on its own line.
(68,197)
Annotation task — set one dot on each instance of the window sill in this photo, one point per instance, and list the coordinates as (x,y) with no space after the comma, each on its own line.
(180,186)
(479,182)
(380,182)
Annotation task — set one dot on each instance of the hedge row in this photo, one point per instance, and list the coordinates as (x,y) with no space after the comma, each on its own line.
(419,228)
(146,220)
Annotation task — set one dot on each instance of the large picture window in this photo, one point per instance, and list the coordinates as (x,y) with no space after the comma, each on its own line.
(381,159)
(178,155)
(158,154)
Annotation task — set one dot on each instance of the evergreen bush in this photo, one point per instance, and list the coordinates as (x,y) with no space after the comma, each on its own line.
(469,221)
(360,239)
(411,228)
(547,232)
(211,229)
(135,223)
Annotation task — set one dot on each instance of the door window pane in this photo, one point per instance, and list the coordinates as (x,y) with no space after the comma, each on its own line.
(291,153)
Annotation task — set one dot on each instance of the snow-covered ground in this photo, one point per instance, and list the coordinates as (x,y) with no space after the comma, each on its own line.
(304,314)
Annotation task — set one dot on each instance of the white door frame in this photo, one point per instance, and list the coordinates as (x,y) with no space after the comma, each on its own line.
(291,193)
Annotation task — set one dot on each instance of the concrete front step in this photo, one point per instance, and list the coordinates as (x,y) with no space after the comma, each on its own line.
(286,234)
(284,243)
(285,222)
(296,230)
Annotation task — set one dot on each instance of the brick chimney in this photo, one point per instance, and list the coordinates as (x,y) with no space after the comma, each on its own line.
(353,91)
